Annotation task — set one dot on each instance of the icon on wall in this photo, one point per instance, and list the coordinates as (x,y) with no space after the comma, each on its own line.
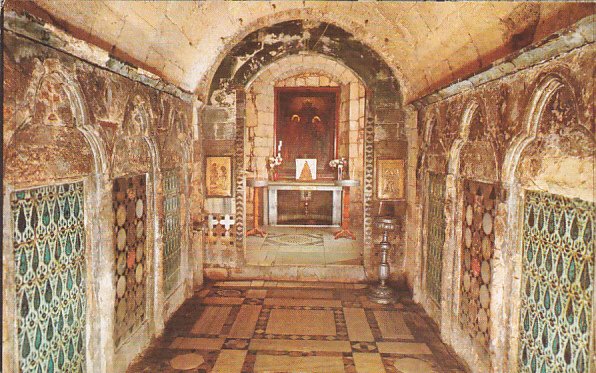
(306,169)
(390,179)
(218,176)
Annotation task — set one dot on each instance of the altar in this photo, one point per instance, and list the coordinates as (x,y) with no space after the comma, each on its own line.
(273,200)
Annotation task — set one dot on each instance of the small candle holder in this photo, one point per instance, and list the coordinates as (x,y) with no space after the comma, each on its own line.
(381,293)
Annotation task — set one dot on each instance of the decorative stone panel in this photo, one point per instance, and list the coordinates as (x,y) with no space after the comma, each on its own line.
(220,239)
(49,244)
(130,234)
(557,284)
(478,241)
(172,234)
(435,225)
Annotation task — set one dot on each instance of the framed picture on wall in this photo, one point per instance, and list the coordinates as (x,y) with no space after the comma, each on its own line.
(390,179)
(218,176)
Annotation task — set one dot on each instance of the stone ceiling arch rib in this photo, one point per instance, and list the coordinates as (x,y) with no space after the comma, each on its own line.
(293,65)
(270,44)
(309,15)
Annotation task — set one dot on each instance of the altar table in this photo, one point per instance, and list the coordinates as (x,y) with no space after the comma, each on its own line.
(274,186)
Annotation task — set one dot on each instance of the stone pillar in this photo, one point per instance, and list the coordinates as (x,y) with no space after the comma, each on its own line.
(412,267)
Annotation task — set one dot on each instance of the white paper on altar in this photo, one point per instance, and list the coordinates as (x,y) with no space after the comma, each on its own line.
(311,168)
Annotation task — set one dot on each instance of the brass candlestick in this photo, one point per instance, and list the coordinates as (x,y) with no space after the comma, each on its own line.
(382,293)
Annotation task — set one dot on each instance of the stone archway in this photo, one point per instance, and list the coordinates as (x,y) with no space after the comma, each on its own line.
(308,70)
(41,172)
(537,185)
(383,120)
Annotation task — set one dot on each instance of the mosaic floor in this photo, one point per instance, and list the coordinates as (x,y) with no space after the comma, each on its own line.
(263,326)
(302,246)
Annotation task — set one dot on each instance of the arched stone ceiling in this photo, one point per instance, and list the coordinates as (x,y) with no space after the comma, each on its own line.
(427,44)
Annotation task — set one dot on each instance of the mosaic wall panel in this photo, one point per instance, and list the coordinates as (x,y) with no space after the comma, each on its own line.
(49,248)
(172,234)
(558,273)
(435,234)
(478,241)
(129,203)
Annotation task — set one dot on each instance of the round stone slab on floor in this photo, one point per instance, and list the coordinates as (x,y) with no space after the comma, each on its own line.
(187,361)
(411,365)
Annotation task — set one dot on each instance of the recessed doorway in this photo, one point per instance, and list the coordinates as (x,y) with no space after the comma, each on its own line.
(301,208)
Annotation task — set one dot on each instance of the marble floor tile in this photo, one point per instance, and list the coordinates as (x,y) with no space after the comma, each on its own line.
(403,348)
(292,302)
(392,325)
(294,326)
(304,294)
(187,361)
(229,361)
(410,365)
(299,345)
(368,362)
(182,343)
(285,258)
(212,320)
(358,328)
(256,293)
(223,300)
(245,322)
(301,322)
(312,364)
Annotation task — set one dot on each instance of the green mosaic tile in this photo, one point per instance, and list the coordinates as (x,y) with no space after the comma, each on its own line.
(435,234)
(49,248)
(558,273)
(172,234)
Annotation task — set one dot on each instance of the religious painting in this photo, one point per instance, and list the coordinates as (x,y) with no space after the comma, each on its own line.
(390,179)
(306,128)
(130,240)
(49,250)
(306,169)
(218,176)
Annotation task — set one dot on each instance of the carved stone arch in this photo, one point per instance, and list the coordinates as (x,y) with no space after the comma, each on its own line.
(54,83)
(54,143)
(312,19)
(554,153)
(546,88)
(478,154)
(462,138)
(138,116)
(434,153)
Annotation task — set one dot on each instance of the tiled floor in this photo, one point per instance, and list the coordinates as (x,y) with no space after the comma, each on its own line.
(263,326)
(302,246)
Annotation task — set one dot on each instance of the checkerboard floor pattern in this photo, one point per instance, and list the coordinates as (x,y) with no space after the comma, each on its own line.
(262,326)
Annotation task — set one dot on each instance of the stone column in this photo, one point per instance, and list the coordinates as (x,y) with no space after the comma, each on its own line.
(412,267)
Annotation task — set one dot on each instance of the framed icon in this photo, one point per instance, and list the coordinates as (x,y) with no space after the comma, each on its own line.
(218,176)
(390,179)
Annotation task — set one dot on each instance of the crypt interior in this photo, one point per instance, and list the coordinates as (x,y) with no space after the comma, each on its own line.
(298,186)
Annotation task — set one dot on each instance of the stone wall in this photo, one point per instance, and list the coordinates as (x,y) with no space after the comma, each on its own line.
(531,130)
(68,121)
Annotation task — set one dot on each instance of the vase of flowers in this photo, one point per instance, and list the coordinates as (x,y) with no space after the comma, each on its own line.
(274,163)
(340,164)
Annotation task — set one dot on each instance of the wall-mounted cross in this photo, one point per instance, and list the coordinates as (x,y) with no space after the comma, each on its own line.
(227,222)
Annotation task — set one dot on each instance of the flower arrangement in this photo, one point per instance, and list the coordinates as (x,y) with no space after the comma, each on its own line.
(339,164)
(274,162)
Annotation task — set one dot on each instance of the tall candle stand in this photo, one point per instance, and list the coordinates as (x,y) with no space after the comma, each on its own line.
(256,184)
(381,293)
